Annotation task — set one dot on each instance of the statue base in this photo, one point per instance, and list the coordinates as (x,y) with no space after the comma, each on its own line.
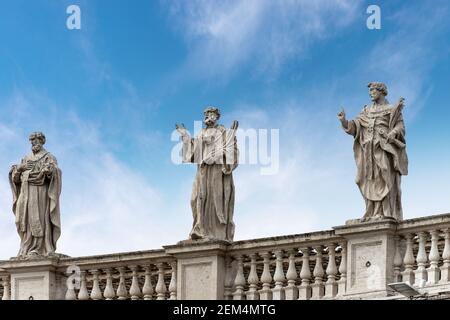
(368,220)
(35,278)
(200,268)
(39,257)
(370,256)
(200,241)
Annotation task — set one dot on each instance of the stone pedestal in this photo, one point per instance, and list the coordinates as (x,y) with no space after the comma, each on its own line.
(35,279)
(370,257)
(201,269)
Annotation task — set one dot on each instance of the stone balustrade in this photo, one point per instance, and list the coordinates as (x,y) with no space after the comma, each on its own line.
(353,261)
(422,255)
(300,267)
(149,275)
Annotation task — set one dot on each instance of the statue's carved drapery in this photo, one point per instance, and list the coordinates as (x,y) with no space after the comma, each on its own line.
(215,152)
(380,155)
(36,187)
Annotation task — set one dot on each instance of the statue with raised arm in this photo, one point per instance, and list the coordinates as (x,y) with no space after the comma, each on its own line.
(380,153)
(36,186)
(215,152)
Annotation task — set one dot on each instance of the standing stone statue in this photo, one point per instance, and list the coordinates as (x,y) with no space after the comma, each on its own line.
(380,153)
(36,186)
(216,154)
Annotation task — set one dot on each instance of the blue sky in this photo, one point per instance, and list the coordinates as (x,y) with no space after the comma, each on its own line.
(107,97)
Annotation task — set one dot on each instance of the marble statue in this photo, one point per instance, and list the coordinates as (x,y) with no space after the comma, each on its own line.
(380,153)
(36,187)
(215,152)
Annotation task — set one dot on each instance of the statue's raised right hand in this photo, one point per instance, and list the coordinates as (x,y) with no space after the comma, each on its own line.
(341,115)
(181,130)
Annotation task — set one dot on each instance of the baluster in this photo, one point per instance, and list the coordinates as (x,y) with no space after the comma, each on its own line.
(342,283)
(408,261)
(291,291)
(445,268)
(318,287)
(253,281)
(331,284)
(433,270)
(304,290)
(109,293)
(135,291)
(278,277)
(147,290)
(83,294)
(398,261)
(421,272)
(173,281)
(239,281)
(229,279)
(266,278)
(6,288)
(122,293)
(70,283)
(161,289)
(96,293)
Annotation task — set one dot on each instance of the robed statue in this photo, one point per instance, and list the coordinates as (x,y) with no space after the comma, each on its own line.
(215,152)
(36,187)
(380,153)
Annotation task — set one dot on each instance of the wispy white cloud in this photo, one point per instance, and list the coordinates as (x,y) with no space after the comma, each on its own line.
(312,188)
(261,35)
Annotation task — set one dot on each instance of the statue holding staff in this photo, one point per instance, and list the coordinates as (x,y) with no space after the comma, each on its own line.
(380,153)
(215,152)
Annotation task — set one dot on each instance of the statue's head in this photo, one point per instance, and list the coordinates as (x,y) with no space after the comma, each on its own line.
(212,115)
(377,91)
(37,140)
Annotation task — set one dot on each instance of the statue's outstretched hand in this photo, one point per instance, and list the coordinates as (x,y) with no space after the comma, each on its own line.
(181,130)
(235,125)
(341,115)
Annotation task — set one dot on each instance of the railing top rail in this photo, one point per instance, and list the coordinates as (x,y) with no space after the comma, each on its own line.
(287,241)
(117,259)
(439,221)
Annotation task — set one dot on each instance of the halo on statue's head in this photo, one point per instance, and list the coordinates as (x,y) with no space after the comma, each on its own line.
(39,135)
(212,109)
(380,86)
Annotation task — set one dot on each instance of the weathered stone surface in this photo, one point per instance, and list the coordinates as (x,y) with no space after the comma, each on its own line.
(36,279)
(355,261)
(201,269)
(36,187)
(380,153)
(370,256)
(216,154)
